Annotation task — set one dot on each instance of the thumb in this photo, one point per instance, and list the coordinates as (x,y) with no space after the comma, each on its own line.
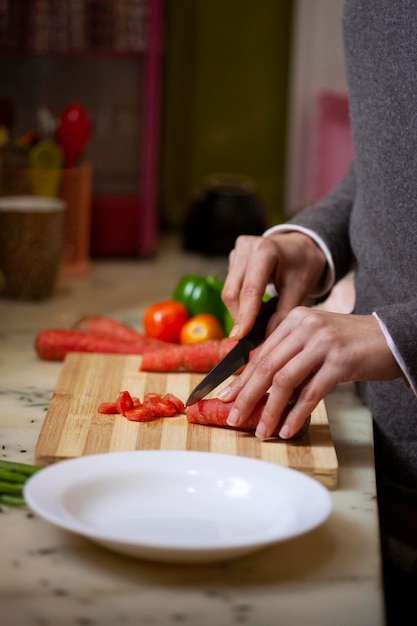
(289,298)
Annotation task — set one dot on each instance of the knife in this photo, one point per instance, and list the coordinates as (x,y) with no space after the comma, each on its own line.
(238,356)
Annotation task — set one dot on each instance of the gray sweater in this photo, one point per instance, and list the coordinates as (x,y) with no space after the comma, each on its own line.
(369,220)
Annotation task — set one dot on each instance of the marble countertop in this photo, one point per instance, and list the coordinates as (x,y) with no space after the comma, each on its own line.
(329,576)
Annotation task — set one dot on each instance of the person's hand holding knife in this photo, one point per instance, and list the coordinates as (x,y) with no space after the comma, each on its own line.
(306,351)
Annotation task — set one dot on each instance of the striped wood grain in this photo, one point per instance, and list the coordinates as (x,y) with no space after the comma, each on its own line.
(72,427)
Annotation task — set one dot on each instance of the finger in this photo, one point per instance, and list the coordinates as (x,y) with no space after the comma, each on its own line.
(258,257)
(307,398)
(263,370)
(281,395)
(231,391)
(281,362)
(291,380)
(275,407)
(289,298)
(234,279)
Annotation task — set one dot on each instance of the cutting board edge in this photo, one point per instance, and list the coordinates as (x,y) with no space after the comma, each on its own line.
(329,478)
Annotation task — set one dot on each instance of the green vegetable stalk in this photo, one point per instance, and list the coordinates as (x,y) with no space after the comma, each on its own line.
(12,479)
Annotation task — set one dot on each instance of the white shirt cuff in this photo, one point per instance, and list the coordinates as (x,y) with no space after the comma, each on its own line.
(397,356)
(331,274)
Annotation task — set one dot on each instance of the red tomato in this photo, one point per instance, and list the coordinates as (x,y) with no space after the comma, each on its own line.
(164,320)
(201,327)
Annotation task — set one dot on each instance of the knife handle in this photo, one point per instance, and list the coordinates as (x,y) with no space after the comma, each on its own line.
(257,334)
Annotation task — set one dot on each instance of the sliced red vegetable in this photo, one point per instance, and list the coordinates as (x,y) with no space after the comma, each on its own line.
(199,357)
(214,412)
(55,344)
(148,397)
(164,409)
(140,414)
(177,402)
(108,408)
(160,405)
(113,329)
(154,405)
(124,402)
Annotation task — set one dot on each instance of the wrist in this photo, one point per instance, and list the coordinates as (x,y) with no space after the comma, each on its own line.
(311,259)
(327,278)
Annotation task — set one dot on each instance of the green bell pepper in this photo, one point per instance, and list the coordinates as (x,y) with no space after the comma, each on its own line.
(228,321)
(200,294)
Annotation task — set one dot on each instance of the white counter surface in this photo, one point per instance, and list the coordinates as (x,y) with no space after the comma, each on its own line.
(329,577)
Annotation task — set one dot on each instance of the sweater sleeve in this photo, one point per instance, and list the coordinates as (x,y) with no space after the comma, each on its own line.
(330,218)
(399,323)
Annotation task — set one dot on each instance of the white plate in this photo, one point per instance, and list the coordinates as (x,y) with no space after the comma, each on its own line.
(178,506)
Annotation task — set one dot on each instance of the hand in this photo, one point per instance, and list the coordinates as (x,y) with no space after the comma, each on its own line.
(302,360)
(289,260)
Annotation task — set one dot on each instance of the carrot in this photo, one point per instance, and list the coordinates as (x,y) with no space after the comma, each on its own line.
(153,406)
(54,344)
(113,329)
(214,412)
(124,402)
(107,408)
(197,357)
(141,414)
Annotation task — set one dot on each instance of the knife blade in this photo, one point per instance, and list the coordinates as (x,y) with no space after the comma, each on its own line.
(238,355)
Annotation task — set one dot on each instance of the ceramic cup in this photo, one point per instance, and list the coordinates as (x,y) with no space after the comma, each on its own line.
(31,242)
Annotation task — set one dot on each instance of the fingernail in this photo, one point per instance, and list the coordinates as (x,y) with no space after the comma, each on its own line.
(234,332)
(261,431)
(233,418)
(224,393)
(285,432)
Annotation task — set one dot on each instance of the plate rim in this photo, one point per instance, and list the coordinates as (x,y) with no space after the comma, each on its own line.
(74,526)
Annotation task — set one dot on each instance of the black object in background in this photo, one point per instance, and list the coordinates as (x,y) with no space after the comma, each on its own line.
(227,207)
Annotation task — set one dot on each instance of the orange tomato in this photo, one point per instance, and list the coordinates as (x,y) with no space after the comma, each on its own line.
(201,328)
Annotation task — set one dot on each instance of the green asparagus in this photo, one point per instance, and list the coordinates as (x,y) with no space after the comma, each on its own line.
(23,468)
(12,479)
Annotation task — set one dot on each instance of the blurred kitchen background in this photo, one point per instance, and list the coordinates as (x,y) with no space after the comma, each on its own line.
(198,111)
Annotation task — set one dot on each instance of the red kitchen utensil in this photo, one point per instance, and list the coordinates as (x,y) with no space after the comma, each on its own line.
(73,131)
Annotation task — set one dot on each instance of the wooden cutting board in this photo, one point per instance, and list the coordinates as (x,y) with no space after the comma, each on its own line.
(73,428)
